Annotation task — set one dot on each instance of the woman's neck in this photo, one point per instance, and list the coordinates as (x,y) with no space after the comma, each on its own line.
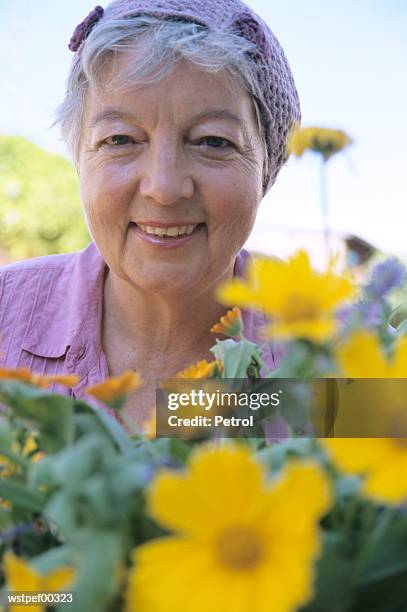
(154,327)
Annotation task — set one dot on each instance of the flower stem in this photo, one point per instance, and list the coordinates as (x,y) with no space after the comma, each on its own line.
(373,531)
(324,207)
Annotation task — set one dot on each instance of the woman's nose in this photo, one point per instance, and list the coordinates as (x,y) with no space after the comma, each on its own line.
(165,178)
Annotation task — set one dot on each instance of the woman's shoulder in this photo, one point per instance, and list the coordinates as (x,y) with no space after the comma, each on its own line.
(43,301)
(37,269)
(31,278)
(25,282)
(37,264)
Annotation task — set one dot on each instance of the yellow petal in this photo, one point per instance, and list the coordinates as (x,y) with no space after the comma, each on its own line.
(150,425)
(24,375)
(400,359)
(302,485)
(230,324)
(202,369)
(301,301)
(360,356)
(58,579)
(388,482)
(115,387)
(69,380)
(223,495)
(358,455)
(154,583)
(20,576)
(317,330)
(226,478)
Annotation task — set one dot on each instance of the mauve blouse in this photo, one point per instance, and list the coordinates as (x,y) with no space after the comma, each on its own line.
(51,318)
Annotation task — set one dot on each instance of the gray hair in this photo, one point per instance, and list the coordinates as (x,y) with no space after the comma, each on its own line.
(162,43)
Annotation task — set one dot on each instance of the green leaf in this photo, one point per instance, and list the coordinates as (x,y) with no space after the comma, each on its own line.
(387,548)
(402,328)
(98,507)
(20,495)
(398,317)
(99,555)
(333,585)
(53,414)
(235,356)
(6,436)
(115,431)
(72,465)
(53,559)
(61,510)
(276,456)
(6,519)
(169,447)
(386,595)
(40,473)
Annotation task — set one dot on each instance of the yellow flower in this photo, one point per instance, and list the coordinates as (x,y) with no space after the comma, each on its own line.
(301,301)
(230,324)
(68,380)
(38,380)
(115,387)
(242,543)
(7,467)
(22,374)
(321,140)
(372,408)
(202,369)
(383,461)
(150,425)
(20,576)
(29,449)
(361,356)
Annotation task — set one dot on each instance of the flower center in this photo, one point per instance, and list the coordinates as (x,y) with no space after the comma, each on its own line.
(240,548)
(401,442)
(299,308)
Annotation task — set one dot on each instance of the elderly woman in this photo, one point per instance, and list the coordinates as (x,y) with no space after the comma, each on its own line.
(176,115)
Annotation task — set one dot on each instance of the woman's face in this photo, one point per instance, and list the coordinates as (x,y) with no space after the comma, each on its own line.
(184,153)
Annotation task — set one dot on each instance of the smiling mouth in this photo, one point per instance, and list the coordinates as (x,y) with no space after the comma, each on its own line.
(169,232)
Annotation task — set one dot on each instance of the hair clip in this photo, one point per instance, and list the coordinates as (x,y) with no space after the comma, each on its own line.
(83,29)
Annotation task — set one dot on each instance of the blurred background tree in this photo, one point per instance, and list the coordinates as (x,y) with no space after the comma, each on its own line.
(40,210)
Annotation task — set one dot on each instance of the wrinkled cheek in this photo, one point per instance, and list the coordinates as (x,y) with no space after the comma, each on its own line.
(97,227)
(228,238)
(235,218)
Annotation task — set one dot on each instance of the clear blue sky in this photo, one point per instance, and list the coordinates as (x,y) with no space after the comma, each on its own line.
(349,62)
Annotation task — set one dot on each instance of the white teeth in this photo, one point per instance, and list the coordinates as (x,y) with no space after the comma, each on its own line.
(159,231)
(168,231)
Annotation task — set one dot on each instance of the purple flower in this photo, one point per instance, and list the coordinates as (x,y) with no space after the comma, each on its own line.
(386,276)
(371,313)
(345,313)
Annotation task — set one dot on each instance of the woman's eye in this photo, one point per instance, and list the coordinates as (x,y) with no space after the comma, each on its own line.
(117,140)
(216,142)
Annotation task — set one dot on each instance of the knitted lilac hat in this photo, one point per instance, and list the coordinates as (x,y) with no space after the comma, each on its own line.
(275,91)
